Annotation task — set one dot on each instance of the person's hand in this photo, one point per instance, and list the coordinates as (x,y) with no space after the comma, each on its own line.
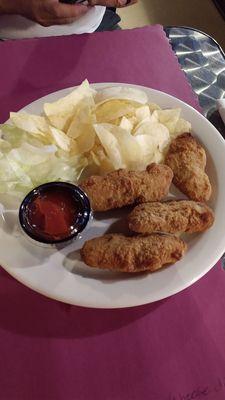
(45,12)
(112,3)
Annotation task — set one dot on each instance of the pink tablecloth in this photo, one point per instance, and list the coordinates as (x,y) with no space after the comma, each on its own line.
(170,350)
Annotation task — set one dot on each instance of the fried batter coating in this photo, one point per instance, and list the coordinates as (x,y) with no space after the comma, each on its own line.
(171,217)
(133,254)
(121,188)
(187,159)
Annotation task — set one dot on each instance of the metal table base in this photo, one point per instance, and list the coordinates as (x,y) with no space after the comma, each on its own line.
(203,61)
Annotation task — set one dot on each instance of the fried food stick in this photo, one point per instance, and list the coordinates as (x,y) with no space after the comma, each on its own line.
(122,187)
(187,159)
(132,254)
(171,217)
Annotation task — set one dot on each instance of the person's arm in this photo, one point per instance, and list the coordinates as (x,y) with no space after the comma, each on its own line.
(45,12)
(6,7)
(112,3)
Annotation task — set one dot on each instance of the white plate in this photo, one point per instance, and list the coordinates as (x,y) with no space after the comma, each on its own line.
(62,276)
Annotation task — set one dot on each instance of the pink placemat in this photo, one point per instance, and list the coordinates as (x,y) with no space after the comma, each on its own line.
(169,350)
(30,69)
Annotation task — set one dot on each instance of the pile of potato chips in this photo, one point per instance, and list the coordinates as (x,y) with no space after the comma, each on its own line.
(87,132)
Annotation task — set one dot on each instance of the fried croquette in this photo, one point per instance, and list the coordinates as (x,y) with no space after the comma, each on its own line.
(171,217)
(120,253)
(187,159)
(121,188)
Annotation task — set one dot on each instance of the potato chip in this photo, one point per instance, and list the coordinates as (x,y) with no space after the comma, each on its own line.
(158,157)
(142,113)
(147,148)
(148,127)
(112,110)
(61,111)
(95,158)
(169,118)
(159,137)
(181,126)
(129,147)
(133,120)
(61,139)
(127,121)
(111,145)
(153,107)
(82,120)
(142,127)
(29,123)
(116,121)
(126,124)
(136,151)
(106,166)
(123,93)
(85,142)
(99,150)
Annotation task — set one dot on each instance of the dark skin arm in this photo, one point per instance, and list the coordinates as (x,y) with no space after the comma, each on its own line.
(112,3)
(52,12)
(45,12)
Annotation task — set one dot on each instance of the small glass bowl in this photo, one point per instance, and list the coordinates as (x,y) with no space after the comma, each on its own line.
(80,199)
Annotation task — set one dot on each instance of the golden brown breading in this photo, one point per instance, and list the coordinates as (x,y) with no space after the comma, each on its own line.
(133,254)
(171,217)
(187,158)
(121,188)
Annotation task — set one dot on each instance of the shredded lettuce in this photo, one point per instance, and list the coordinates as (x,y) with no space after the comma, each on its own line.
(28,160)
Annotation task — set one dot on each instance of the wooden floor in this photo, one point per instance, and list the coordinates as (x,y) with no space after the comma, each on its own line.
(200,14)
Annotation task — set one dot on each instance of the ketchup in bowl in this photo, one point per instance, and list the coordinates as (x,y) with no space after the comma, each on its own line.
(55,212)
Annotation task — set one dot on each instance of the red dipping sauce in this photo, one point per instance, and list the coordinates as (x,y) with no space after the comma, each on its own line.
(54,212)
(53,215)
